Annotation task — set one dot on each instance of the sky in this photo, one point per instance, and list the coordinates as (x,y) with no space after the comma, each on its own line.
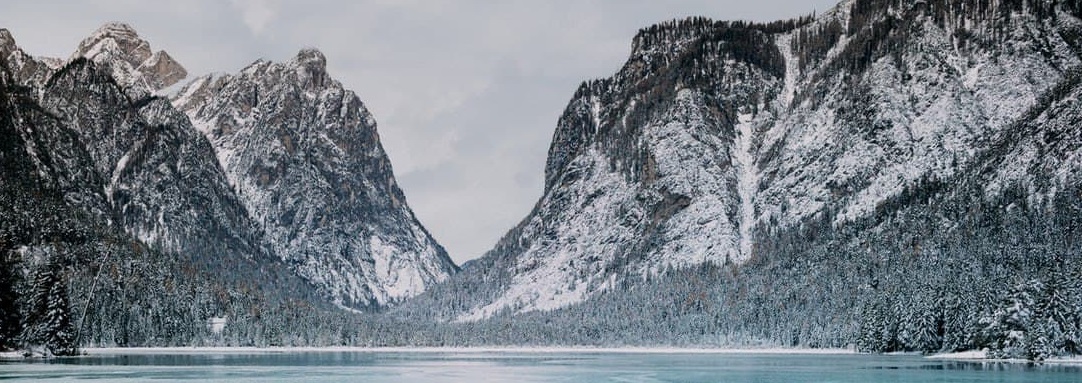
(466,93)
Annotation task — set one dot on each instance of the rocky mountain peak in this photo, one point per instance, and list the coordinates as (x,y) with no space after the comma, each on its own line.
(303,155)
(131,59)
(7,42)
(311,67)
(115,41)
(25,69)
(311,59)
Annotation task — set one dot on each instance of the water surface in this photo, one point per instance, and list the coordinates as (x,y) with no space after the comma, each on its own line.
(358,366)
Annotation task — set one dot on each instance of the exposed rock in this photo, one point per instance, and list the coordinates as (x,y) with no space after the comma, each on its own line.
(142,71)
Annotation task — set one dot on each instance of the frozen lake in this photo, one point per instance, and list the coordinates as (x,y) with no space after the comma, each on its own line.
(503,366)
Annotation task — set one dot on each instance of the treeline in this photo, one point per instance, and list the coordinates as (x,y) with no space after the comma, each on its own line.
(710,42)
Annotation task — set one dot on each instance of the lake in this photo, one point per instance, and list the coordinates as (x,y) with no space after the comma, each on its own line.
(504,366)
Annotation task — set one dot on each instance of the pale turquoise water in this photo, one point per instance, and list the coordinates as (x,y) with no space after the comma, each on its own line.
(523,367)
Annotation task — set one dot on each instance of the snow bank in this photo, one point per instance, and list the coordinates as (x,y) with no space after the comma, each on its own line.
(963,355)
(982,355)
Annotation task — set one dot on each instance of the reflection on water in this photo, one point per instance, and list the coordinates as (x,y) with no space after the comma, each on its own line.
(524,367)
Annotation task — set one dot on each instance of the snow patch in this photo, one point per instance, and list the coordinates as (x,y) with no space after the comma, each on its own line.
(792,69)
(747,181)
(217,324)
(962,355)
(117,171)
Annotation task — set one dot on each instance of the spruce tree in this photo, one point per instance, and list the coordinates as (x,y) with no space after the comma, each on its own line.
(49,318)
(61,335)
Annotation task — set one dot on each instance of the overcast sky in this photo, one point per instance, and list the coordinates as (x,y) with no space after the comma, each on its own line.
(466,93)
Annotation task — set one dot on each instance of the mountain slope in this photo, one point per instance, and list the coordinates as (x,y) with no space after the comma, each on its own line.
(304,156)
(717,140)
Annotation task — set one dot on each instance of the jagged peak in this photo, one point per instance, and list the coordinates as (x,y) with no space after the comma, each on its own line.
(118,46)
(7,44)
(311,66)
(116,28)
(311,59)
(115,39)
(6,39)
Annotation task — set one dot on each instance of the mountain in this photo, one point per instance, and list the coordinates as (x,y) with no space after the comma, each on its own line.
(137,163)
(303,155)
(113,185)
(743,182)
(116,193)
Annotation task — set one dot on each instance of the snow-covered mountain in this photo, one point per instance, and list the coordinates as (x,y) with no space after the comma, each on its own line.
(103,175)
(125,155)
(716,137)
(304,156)
(271,202)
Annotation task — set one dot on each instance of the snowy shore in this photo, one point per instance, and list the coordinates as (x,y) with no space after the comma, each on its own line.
(982,356)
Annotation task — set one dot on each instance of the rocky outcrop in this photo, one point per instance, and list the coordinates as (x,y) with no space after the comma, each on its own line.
(118,47)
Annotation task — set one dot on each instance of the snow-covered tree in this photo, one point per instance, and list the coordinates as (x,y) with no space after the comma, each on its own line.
(50,323)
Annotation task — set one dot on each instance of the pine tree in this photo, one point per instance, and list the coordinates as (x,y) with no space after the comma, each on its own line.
(1056,306)
(1008,330)
(61,336)
(49,319)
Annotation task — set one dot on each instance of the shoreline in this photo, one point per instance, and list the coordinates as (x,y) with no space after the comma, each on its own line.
(981,356)
(974,356)
(90,351)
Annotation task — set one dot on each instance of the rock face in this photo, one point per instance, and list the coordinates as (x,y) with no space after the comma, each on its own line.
(715,137)
(25,69)
(304,156)
(118,47)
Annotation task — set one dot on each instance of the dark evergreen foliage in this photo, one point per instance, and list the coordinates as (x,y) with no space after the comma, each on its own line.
(10,318)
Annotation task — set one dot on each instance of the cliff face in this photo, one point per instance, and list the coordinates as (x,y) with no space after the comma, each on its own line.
(304,156)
